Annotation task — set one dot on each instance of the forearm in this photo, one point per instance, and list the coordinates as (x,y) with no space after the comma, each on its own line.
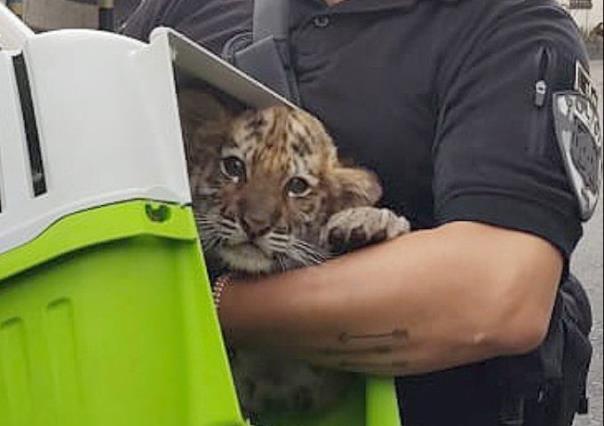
(421,303)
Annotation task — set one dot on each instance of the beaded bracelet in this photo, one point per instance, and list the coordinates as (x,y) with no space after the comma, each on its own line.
(221,283)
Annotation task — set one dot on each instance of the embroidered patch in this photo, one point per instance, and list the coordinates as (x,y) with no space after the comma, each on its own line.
(585,85)
(579,135)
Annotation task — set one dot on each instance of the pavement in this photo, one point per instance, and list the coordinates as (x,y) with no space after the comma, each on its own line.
(587,265)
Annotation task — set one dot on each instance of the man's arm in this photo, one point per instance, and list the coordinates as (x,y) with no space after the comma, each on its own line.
(431,300)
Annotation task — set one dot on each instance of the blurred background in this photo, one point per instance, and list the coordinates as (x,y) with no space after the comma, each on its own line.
(43,15)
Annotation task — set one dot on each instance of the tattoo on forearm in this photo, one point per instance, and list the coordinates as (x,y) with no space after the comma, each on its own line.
(372,344)
(396,334)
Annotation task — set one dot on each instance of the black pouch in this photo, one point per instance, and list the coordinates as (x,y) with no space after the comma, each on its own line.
(568,397)
(548,387)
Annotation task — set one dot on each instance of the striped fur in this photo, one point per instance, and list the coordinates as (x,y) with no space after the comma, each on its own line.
(252,224)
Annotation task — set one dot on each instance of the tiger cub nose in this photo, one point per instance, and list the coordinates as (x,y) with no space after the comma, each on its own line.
(255,225)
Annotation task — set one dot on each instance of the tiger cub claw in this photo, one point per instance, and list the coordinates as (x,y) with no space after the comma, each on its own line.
(358,227)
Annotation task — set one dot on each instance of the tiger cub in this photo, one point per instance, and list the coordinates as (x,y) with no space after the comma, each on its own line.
(270,194)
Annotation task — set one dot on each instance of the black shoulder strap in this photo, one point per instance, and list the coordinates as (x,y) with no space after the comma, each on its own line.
(264,54)
(271,18)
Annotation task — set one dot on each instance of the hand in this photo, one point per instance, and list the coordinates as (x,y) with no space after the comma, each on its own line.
(358,227)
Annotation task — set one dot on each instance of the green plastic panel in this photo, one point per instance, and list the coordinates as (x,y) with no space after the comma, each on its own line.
(107,319)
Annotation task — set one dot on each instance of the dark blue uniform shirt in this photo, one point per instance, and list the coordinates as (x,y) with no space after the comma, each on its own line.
(439,98)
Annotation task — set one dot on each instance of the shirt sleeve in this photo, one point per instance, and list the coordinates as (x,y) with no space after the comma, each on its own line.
(496,158)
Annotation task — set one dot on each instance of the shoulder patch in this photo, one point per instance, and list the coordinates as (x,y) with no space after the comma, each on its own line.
(585,85)
(579,135)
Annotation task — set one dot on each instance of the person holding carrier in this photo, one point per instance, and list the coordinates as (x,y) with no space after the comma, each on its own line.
(479,117)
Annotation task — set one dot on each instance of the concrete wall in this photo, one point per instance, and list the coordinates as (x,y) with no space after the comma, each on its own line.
(53,14)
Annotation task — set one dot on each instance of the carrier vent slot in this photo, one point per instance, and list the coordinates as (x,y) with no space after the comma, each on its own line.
(31,127)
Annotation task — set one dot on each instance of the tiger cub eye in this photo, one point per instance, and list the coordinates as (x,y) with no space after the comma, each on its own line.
(233,168)
(298,187)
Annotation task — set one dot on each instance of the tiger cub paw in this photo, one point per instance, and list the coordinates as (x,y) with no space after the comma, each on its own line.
(358,227)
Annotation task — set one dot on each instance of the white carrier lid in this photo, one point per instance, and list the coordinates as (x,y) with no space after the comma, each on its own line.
(107,121)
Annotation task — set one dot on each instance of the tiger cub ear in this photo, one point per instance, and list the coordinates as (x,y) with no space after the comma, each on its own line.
(200,109)
(354,187)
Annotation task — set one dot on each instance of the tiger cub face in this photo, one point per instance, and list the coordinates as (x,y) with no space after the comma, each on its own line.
(264,182)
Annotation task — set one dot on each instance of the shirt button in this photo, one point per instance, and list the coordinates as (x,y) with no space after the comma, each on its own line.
(321,21)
